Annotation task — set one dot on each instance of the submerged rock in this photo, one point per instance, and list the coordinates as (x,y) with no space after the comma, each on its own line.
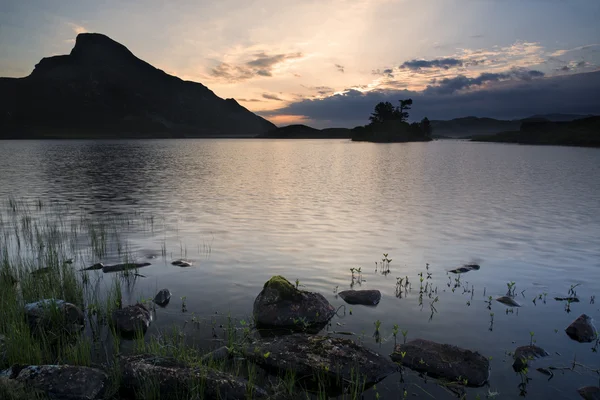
(182,263)
(443,361)
(162,298)
(465,268)
(63,382)
(364,297)
(281,305)
(337,360)
(131,319)
(589,392)
(508,300)
(166,378)
(570,299)
(582,329)
(51,314)
(123,267)
(524,354)
(94,267)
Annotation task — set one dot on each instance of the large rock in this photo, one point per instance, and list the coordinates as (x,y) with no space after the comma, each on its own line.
(524,354)
(166,378)
(443,361)
(508,300)
(63,382)
(131,320)
(465,268)
(281,305)
(163,297)
(582,329)
(337,360)
(123,267)
(51,314)
(364,297)
(589,392)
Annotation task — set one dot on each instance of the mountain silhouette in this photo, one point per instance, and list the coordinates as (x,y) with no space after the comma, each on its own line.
(102,90)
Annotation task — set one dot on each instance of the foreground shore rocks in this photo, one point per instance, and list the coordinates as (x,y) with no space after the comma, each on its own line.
(52,314)
(443,361)
(364,297)
(58,382)
(339,361)
(132,319)
(582,329)
(524,354)
(281,305)
(148,376)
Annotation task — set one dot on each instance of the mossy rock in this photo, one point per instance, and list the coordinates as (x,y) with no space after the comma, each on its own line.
(286,290)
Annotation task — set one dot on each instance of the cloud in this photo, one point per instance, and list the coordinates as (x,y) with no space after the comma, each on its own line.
(249,100)
(339,67)
(445,63)
(269,96)
(460,82)
(508,99)
(262,65)
(321,90)
(77,28)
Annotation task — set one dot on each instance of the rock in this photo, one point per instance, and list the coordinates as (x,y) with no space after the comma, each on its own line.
(281,305)
(94,267)
(123,267)
(182,263)
(524,354)
(582,329)
(589,392)
(337,360)
(220,354)
(570,299)
(364,297)
(166,378)
(465,268)
(443,361)
(51,314)
(509,301)
(69,261)
(63,382)
(132,319)
(162,298)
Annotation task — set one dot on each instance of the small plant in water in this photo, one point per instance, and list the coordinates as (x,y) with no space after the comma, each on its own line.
(531,335)
(395,332)
(183,305)
(404,334)
(511,289)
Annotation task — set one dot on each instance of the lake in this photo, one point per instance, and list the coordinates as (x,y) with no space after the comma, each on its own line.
(245,210)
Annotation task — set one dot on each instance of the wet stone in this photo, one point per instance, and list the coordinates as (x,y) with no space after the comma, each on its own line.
(124,267)
(364,297)
(132,319)
(508,301)
(182,263)
(443,361)
(163,297)
(51,314)
(524,354)
(589,392)
(465,268)
(582,329)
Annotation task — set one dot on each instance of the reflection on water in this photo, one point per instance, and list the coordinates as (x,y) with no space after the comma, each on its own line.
(245,210)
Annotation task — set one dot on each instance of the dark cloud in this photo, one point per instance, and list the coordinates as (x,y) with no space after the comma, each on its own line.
(322,90)
(270,96)
(445,63)
(261,65)
(573,93)
(460,82)
(250,100)
(388,72)
(339,67)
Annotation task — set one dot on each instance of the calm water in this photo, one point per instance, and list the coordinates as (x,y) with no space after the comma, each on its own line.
(245,210)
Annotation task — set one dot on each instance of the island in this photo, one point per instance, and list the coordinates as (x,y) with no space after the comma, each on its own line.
(584,132)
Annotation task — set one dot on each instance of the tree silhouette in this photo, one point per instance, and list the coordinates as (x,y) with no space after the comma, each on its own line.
(426,126)
(384,111)
(402,111)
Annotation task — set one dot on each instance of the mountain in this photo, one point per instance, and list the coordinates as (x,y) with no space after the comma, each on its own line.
(299,131)
(583,132)
(558,117)
(102,90)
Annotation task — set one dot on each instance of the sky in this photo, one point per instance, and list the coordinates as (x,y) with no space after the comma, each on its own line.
(328,62)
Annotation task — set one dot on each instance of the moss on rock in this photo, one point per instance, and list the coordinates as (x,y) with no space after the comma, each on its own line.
(285,289)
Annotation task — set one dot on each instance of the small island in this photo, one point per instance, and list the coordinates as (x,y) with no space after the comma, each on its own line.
(584,132)
(389,125)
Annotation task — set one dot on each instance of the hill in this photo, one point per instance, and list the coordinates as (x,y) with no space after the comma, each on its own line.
(581,132)
(102,90)
(299,131)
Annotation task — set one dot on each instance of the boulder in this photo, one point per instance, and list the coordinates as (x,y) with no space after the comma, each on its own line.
(364,297)
(182,263)
(443,361)
(166,378)
(281,305)
(589,392)
(334,362)
(508,300)
(132,319)
(123,267)
(465,268)
(524,354)
(51,314)
(63,382)
(582,329)
(162,298)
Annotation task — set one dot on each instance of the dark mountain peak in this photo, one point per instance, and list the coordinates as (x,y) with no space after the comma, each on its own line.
(97,45)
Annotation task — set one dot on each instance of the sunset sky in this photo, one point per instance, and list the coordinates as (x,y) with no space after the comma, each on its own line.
(327,62)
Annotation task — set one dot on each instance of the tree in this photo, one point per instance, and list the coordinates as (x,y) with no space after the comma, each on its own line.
(384,111)
(402,111)
(426,126)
